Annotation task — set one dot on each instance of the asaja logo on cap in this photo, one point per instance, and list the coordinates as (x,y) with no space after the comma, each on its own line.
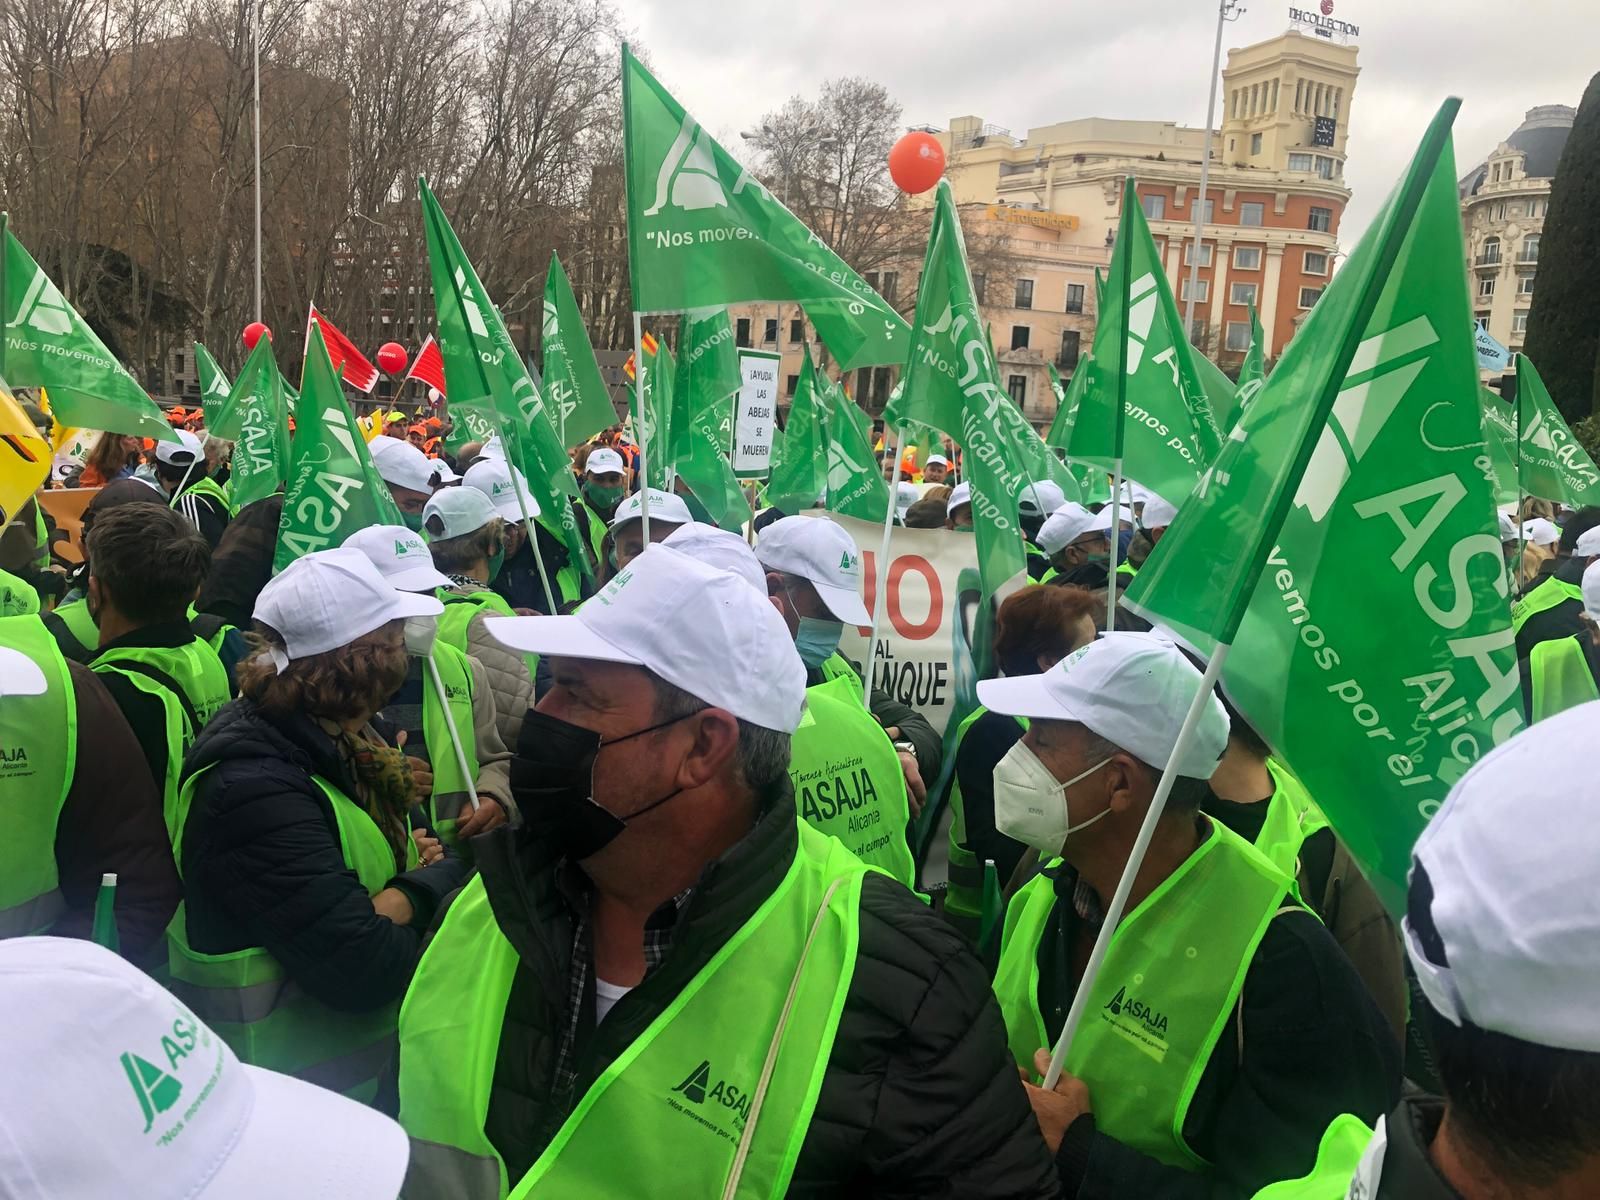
(156,1089)
(849,561)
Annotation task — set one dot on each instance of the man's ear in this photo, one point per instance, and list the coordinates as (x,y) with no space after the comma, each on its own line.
(1128,783)
(716,744)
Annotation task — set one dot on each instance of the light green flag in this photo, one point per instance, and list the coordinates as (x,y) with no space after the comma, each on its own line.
(953,386)
(1500,446)
(572,379)
(800,460)
(256,416)
(654,386)
(1219,391)
(1144,401)
(333,489)
(1253,372)
(214,385)
(1345,542)
(703,232)
(702,420)
(1094,485)
(856,486)
(1552,465)
(48,344)
(483,371)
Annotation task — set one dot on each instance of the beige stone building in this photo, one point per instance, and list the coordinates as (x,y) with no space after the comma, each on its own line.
(1503,204)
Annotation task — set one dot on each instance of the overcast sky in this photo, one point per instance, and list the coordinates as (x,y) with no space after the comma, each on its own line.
(1024,63)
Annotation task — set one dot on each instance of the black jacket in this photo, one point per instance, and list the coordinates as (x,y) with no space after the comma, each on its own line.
(241,564)
(987,741)
(920,1098)
(1563,620)
(262,866)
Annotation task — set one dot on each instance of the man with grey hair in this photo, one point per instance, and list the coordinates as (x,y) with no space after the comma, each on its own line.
(664,981)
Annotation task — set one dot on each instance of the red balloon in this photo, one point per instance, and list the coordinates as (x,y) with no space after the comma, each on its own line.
(392,357)
(916,162)
(253,333)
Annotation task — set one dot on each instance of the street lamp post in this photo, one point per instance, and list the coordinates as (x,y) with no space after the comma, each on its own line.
(1227,10)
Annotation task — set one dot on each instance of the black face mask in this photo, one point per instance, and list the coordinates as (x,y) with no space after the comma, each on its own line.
(552,780)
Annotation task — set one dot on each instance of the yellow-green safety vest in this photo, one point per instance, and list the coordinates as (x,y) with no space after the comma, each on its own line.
(459,611)
(17,597)
(264,1015)
(1560,676)
(38,748)
(1338,1158)
(1292,817)
(1161,1002)
(450,790)
(963,899)
(1547,595)
(207,486)
(688,1091)
(836,666)
(848,781)
(83,631)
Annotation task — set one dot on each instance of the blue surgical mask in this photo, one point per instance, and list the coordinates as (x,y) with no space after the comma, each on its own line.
(817,640)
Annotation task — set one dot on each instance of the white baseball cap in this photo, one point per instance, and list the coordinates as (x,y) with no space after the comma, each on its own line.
(1133,689)
(1540,532)
(329,599)
(1508,529)
(719,548)
(460,511)
(117,1089)
(184,452)
(604,461)
(1100,522)
(959,495)
(1513,900)
(1040,498)
(493,477)
(401,464)
(701,629)
(20,675)
(1588,544)
(936,460)
(818,550)
(665,507)
(905,495)
(400,555)
(442,471)
(1157,514)
(1063,527)
(1591,591)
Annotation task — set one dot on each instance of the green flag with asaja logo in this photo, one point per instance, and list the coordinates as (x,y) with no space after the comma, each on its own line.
(256,412)
(856,487)
(1499,446)
(483,371)
(951,384)
(704,232)
(572,379)
(800,458)
(47,344)
(707,376)
(1552,465)
(214,385)
(1344,542)
(333,489)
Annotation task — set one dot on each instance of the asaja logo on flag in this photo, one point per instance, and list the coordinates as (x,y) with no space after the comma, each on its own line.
(1538,433)
(1141,315)
(43,308)
(688,176)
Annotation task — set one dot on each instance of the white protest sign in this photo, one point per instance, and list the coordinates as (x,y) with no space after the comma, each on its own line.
(755,413)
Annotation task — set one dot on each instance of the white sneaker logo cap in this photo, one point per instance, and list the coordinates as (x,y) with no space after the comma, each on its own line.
(329,599)
(400,555)
(665,507)
(819,550)
(494,478)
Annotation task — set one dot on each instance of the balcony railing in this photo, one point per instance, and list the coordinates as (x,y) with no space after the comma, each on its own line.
(1487,260)
(1527,259)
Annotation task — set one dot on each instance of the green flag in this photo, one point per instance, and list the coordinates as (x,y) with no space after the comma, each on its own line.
(654,386)
(47,344)
(483,371)
(1253,372)
(856,486)
(578,394)
(214,385)
(703,388)
(1346,544)
(256,413)
(800,459)
(1144,402)
(1218,388)
(333,489)
(952,385)
(704,232)
(1500,446)
(1552,464)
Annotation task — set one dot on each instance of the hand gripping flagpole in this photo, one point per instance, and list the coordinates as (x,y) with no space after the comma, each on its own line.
(455,734)
(882,581)
(1119,899)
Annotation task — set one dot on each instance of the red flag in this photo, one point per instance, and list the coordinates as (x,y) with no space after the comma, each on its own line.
(358,372)
(429,366)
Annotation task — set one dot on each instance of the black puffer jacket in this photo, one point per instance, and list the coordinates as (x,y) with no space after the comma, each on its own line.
(261,864)
(920,1097)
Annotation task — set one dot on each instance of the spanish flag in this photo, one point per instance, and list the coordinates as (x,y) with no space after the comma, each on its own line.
(629,368)
(24,455)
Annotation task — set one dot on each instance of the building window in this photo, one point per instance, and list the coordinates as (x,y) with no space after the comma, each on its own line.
(1019,336)
(1530,249)
(790,383)
(1320,220)
(979,284)
(891,285)
(1535,208)
(1247,258)
(1069,348)
(1210,211)
(769,334)
(1201,295)
(1524,285)
(1207,253)
(1499,213)
(1255,143)
(1486,288)
(1489,256)
(1299,95)
(741,332)
(1300,162)
(177,361)
(1252,212)
(1325,167)
(1017,385)
(1074,297)
(1309,296)
(1242,293)
(1238,336)
(797,330)
(1024,297)
(1482,318)
(1155,208)
(1519,321)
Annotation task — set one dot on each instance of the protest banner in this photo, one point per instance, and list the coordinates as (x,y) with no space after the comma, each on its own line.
(755,415)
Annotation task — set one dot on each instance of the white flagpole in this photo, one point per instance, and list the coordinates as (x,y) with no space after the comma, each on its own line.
(257,85)
(1114,536)
(882,583)
(640,428)
(527,521)
(1119,899)
(455,734)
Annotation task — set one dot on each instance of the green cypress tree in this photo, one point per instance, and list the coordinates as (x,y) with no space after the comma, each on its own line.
(1564,321)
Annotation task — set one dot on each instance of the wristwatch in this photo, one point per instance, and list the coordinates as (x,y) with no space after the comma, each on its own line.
(906,748)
